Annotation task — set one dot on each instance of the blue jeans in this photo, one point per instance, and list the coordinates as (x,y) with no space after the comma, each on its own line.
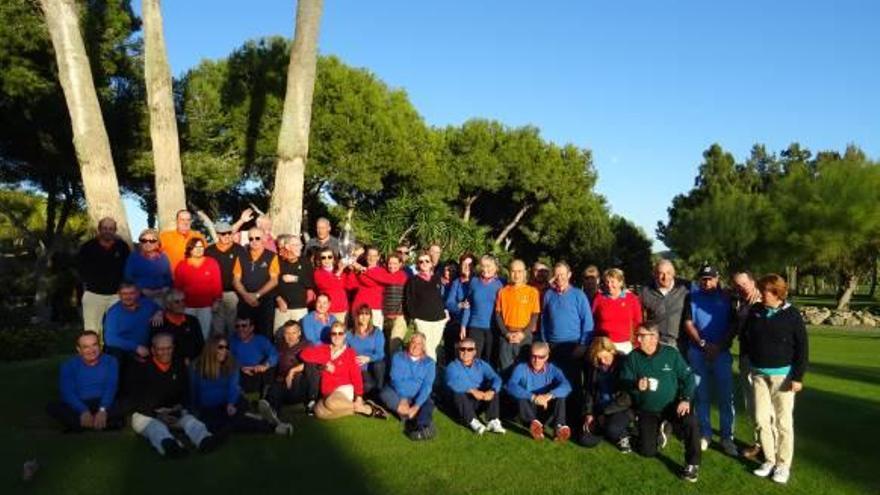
(718,373)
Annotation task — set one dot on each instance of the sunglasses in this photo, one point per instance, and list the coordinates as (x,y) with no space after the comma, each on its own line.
(177,301)
(224,233)
(467,349)
(538,357)
(148,241)
(255,238)
(424,261)
(402,251)
(330,257)
(222,347)
(337,334)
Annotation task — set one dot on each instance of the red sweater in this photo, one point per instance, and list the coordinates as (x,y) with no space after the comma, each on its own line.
(201,285)
(617,318)
(333,285)
(346,369)
(369,290)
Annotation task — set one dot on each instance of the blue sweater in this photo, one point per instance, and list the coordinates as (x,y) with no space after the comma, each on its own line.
(208,394)
(372,345)
(524,382)
(257,350)
(314,331)
(566,317)
(712,314)
(148,273)
(481,296)
(412,380)
(80,382)
(455,294)
(481,376)
(125,329)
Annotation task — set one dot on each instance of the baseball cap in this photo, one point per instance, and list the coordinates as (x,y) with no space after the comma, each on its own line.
(707,271)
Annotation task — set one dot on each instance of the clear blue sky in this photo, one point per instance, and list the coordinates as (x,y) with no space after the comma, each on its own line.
(646,85)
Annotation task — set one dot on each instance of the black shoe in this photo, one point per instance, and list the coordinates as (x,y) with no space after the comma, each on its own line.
(209,444)
(172,449)
(690,472)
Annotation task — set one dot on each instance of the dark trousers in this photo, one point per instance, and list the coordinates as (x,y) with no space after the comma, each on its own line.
(484,342)
(554,414)
(374,377)
(279,394)
(312,374)
(469,407)
(649,427)
(69,418)
(262,316)
(613,428)
(256,384)
(423,419)
(562,355)
(218,421)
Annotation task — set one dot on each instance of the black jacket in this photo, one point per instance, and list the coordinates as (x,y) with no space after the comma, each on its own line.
(776,341)
(621,401)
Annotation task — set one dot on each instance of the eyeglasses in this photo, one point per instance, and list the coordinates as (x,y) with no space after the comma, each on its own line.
(539,357)
(424,261)
(148,241)
(467,349)
(254,238)
(337,334)
(224,233)
(329,257)
(222,347)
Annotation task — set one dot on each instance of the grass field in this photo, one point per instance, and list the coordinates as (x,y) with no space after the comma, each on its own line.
(837,421)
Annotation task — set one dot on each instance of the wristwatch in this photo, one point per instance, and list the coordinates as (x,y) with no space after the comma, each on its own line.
(702,343)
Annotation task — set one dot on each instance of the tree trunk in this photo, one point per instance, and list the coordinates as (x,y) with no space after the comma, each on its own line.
(509,228)
(293,138)
(873,278)
(468,203)
(89,134)
(792,279)
(48,248)
(848,287)
(170,193)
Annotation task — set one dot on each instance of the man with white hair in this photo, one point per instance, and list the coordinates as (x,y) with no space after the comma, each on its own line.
(665,301)
(322,239)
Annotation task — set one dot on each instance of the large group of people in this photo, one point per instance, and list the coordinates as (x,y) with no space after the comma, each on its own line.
(188,341)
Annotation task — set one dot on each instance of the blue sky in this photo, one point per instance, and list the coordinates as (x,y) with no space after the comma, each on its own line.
(646,85)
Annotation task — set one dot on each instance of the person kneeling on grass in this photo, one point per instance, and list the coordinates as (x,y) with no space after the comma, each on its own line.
(606,406)
(474,386)
(215,397)
(540,389)
(342,385)
(661,386)
(158,388)
(409,392)
(88,385)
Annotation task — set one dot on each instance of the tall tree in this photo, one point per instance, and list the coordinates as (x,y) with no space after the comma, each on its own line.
(170,193)
(89,134)
(293,138)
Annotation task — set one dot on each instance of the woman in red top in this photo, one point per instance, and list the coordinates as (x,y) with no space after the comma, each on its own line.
(369,291)
(198,276)
(617,312)
(342,385)
(332,279)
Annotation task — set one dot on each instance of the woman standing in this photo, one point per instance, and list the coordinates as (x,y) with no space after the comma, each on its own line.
(392,278)
(775,341)
(369,292)
(332,279)
(148,267)
(478,317)
(198,276)
(617,312)
(369,344)
(424,304)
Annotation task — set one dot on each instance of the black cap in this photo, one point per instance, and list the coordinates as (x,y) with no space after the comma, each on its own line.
(707,271)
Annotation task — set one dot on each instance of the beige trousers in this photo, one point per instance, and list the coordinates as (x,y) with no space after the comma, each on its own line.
(433,331)
(282,317)
(223,320)
(93,308)
(774,416)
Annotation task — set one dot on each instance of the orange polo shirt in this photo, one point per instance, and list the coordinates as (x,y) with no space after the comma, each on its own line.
(174,245)
(517,304)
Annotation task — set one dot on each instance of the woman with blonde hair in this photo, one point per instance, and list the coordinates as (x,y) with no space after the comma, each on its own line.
(148,267)
(617,312)
(606,405)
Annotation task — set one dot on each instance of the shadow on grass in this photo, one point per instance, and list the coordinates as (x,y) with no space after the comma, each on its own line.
(864,374)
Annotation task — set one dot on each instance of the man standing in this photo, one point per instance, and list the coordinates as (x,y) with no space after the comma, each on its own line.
(408,393)
(517,310)
(710,334)
(294,281)
(88,388)
(747,295)
(539,384)
(322,239)
(174,241)
(475,387)
(590,282)
(662,387)
(254,277)
(101,263)
(665,301)
(225,251)
(127,324)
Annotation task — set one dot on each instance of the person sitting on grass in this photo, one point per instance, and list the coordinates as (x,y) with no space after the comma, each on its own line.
(368,342)
(540,389)
(127,324)
(185,328)
(215,397)
(316,325)
(88,386)
(409,392)
(291,385)
(661,386)
(256,357)
(475,387)
(159,387)
(342,385)
(606,406)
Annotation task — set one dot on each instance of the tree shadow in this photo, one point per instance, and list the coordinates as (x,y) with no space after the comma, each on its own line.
(864,374)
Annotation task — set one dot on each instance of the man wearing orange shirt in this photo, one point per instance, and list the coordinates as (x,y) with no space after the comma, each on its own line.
(516,312)
(254,277)
(174,241)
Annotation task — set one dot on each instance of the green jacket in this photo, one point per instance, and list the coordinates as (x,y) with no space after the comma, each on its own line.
(675,380)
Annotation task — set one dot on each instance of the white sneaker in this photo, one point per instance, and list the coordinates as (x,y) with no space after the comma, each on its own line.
(284,429)
(764,470)
(729,447)
(781,474)
(704,444)
(479,428)
(495,426)
(267,412)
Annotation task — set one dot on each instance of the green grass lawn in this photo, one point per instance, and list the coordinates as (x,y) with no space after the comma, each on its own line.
(836,420)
